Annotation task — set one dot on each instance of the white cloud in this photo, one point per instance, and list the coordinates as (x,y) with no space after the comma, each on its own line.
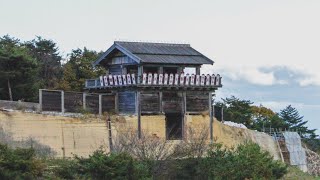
(249,74)
(278,105)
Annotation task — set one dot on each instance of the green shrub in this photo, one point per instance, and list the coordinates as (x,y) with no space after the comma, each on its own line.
(19,163)
(247,161)
(101,165)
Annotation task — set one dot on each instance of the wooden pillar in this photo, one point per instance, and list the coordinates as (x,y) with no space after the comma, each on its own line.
(140,72)
(184,106)
(198,70)
(116,103)
(62,102)
(211,117)
(110,133)
(160,102)
(100,104)
(160,70)
(40,100)
(139,114)
(124,69)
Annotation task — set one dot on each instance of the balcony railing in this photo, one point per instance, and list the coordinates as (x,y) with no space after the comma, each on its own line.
(177,80)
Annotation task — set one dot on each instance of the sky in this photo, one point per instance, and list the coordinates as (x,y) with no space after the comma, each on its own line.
(267,51)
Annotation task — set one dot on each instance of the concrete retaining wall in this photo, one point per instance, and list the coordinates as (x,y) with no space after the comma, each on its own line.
(82,136)
(19,105)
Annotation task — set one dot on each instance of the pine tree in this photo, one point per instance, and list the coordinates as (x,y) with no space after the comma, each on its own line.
(294,121)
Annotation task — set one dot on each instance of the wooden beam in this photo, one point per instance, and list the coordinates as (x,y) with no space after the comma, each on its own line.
(140,72)
(160,70)
(139,114)
(183,113)
(160,102)
(116,103)
(211,117)
(198,70)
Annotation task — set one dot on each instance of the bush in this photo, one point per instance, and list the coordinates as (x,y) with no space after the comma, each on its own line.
(19,163)
(101,165)
(247,161)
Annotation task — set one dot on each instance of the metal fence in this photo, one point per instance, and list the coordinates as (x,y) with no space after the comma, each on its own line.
(76,102)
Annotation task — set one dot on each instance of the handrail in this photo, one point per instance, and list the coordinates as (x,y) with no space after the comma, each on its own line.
(155,80)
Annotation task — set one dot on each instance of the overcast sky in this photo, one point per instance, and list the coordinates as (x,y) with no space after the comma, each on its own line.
(268,51)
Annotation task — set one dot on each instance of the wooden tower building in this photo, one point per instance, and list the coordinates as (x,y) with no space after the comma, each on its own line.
(157,78)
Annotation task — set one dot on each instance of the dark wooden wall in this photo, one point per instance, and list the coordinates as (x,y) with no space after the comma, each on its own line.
(150,102)
(51,101)
(115,70)
(126,102)
(108,103)
(197,101)
(172,102)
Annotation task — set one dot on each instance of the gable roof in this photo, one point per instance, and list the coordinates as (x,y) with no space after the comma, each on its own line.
(158,53)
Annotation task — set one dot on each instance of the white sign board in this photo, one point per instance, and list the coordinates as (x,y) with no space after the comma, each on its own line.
(181,79)
(120,80)
(187,79)
(110,80)
(197,80)
(133,78)
(202,79)
(192,79)
(144,78)
(176,79)
(155,78)
(149,78)
(124,79)
(115,80)
(105,80)
(101,81)
(171,79)
(128,79)
(165,80)
(160,79)
(213,80)
(208,80)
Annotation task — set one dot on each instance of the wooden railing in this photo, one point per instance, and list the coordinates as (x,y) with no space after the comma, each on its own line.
(155,80)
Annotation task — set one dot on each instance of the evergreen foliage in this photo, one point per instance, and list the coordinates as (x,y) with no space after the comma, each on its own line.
(237,110)
(79,68)
(294,121)
(19,164)
(17,71)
